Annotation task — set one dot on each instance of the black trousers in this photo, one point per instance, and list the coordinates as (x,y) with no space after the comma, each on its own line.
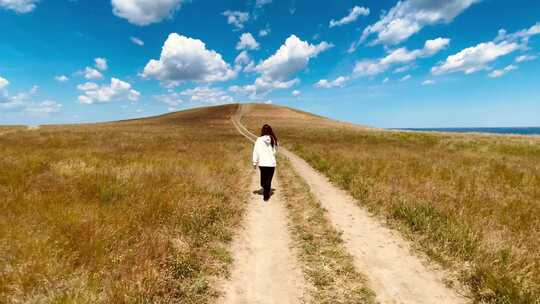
(267,173)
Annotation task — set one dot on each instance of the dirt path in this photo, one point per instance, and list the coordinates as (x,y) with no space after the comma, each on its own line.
(396,275)
(265,270)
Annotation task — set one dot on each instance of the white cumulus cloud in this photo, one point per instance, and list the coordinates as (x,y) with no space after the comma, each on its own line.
(502,72)
(405,78)
(172,99)
(275,72)
(247,42)
(265,31)
(408,17)
(296,93)
(145,12)
(87,86)
(24,102)
(61,78)
(244,62)
(200,95)
(208,95)
(187,59)
(242,58)
(292,57)
(478,57)
(524,58)
(3,82)
(44,107)
(17,101)
(101,64)
(19,6)
(354,13)
(403,69)
(91,73)
(116,90)
(428,82)
(260,3)
(236,18)
(522,35)
(326,84)
(370,67)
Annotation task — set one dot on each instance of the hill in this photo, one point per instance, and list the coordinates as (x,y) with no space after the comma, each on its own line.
(145,211)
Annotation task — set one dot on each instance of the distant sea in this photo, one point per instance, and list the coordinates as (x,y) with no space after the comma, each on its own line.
(520,130)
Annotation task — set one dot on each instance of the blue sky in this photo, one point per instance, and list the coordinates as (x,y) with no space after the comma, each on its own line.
(413,63)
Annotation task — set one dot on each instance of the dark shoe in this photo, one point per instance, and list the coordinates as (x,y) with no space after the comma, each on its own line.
(266,198)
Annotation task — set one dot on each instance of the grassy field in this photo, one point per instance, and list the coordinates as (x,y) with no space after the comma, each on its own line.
(141,211)
(128,212)
(471,202)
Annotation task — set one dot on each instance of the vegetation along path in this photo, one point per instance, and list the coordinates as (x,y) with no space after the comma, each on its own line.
(395,274)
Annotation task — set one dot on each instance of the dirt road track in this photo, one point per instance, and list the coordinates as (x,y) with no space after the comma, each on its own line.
(395,273)
(265,270)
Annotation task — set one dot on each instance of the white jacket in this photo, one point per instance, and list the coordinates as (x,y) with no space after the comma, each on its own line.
(264,155)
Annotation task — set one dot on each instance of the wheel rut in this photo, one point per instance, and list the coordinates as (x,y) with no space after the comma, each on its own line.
(395,273)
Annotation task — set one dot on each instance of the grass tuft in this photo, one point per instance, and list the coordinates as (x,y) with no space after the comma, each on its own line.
(326,264)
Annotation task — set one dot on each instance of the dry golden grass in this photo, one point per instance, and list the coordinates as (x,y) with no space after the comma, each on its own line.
(472,202)
(10,129)
(325,262)
(141,211)
(129,212)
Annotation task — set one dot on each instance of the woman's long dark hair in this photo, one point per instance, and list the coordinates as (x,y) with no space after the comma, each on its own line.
(267,130)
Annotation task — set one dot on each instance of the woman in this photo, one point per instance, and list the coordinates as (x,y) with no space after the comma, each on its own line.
(264,156)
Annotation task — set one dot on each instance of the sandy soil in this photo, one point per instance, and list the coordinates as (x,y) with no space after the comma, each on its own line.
(395,273)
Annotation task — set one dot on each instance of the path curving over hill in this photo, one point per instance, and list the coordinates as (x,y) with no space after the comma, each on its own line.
(395,273)
(265,270)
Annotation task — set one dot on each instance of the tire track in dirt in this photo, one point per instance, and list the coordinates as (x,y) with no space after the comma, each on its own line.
(265,269)
(396,275)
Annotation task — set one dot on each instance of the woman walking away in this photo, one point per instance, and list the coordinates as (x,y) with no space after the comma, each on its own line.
(264,156)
